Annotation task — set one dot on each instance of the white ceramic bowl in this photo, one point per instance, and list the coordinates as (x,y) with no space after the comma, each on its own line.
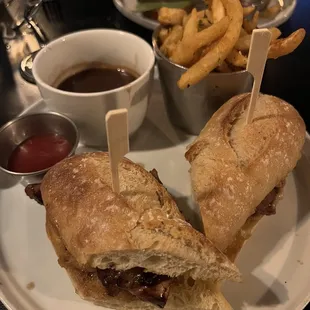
(88,110)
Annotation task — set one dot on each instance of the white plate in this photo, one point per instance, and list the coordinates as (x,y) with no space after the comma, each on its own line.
(281,17)
(127,8)
(275,262)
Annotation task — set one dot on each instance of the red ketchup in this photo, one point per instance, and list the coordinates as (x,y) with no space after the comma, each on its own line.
(38,153)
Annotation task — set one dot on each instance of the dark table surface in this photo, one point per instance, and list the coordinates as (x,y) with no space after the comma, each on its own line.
(287,77)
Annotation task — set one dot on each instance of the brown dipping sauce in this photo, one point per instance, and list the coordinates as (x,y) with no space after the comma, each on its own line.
(38,153)
(96,78)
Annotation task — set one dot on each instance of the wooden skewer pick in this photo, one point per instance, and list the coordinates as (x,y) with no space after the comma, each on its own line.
(118,141)
(256,64)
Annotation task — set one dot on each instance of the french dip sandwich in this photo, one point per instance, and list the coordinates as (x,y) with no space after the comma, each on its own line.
(132,250)
(238,170)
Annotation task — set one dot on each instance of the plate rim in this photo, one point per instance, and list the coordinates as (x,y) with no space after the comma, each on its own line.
(5,300)
(135,17)
(285,15)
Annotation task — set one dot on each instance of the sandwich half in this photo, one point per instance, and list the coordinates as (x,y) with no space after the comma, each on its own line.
(238,170)
(132,250)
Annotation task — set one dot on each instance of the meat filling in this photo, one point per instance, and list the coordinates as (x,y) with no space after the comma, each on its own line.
(154,173)
(268,205)
(146,286)
(33,191)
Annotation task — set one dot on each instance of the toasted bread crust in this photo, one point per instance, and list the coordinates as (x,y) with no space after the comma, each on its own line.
(234,165)
(144,217)
(185,293)
(86,283)
(141,226)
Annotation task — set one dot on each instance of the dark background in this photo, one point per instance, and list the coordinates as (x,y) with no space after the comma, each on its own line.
(287,77)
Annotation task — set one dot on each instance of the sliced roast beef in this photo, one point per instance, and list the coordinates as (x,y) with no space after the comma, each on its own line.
(33,191)
(268,205)
(146,286)
(154,173)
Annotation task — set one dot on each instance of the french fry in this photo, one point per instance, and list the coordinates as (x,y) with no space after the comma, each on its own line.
(203,46)
(185,19)
(185,50)
(209,16)
(200,15)
(196,57)
(282,47)
(271,11)
(163,35)
(250,25)
(275,33)
(170,16)
(173,38)
(237,59)
(243,43)
(223,68)
(209,47)
(218,11)
(248,10)
(220,51)
(170,49)
(203,23)
(243,33)
(191,27)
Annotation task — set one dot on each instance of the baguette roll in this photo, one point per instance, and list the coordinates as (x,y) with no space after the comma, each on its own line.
(238,169)
(100,236)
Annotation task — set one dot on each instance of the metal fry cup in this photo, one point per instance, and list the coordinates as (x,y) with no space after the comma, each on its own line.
(191,108)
